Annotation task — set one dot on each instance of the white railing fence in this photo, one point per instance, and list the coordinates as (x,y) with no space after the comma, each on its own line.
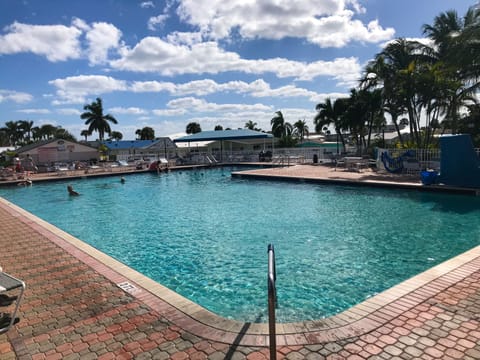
(418,160)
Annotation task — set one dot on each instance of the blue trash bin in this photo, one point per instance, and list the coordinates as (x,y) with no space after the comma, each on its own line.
(429,177)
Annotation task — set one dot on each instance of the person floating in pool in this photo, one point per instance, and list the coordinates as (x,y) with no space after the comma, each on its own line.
(122,180)
(71,191)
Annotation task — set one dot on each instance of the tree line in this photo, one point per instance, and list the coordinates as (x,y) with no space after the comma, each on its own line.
(432,88)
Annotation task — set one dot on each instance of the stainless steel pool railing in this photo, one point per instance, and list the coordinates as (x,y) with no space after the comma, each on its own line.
(272,301)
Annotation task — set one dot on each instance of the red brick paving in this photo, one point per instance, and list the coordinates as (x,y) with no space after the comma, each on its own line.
(71,311)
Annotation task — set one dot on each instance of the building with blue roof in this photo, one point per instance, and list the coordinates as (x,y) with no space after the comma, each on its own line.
(127,150)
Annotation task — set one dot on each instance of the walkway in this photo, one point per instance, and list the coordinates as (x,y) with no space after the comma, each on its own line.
(80,304)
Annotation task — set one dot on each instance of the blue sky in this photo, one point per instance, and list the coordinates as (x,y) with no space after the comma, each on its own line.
(164,64)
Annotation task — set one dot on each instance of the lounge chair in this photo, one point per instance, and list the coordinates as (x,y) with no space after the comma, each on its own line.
(7,284)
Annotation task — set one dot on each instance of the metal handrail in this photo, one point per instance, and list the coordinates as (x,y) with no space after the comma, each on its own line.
(272,301)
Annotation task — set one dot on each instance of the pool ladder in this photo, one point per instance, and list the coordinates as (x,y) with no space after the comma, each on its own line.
(272,301)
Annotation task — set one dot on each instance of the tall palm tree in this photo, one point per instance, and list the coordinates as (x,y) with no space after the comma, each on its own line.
(283,130)
(278,125)
(331,113)
(398,69)
(193,128)
(377,73)
(26,127)
(453,66)
(96,120)
(301,129)
(13,132)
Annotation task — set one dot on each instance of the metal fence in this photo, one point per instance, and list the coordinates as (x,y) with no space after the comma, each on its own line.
(418,160)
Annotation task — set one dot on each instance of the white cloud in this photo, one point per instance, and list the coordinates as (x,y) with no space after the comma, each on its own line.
(55,42)
(153,54)
(201,105)
(75,89)
(157,21)
(75,86)
(184,38)
(101,38)
(169,112)
(152,86)
(69,111)
(326,23)
(129,111)
(147,4)
(34,111)
(15,96)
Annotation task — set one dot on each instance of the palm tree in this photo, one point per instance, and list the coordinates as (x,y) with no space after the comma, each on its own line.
(250,125)
(48,131)
(283,130)
(116,135)
(301,129)
(331,113)
(61,133)
(96,120)
(13,132)
(193,128)
(146,133)
(399,69)
(85,133)
(26,127)
(36,133)
(4,141)
(278,125)
(452,66)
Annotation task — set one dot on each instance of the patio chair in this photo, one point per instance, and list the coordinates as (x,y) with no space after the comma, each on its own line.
(7,284)
(339,161)
(411,166)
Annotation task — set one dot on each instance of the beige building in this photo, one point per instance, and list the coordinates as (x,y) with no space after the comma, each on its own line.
(53,151)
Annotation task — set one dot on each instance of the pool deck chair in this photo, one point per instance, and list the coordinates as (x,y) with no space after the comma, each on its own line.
(7,284)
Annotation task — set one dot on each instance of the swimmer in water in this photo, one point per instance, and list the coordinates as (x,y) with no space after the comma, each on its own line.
(71,191)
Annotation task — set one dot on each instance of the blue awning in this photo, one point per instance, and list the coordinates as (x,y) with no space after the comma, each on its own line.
(240,134)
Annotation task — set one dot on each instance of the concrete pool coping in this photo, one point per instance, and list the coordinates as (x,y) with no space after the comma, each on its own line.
(355,321)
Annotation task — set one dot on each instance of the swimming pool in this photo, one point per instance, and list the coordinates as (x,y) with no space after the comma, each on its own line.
(205,235)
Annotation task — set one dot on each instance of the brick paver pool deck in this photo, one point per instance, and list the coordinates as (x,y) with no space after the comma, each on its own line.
(81,304)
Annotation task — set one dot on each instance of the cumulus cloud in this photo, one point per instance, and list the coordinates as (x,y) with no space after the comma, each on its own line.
(75,89)
(152,86)
(153,54)
(157,21)
(55,42)
(201,105)
(101,38)
(15,96)
(62,43)
(329,23)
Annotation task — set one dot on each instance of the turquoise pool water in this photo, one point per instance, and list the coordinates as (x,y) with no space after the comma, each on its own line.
(204,235)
